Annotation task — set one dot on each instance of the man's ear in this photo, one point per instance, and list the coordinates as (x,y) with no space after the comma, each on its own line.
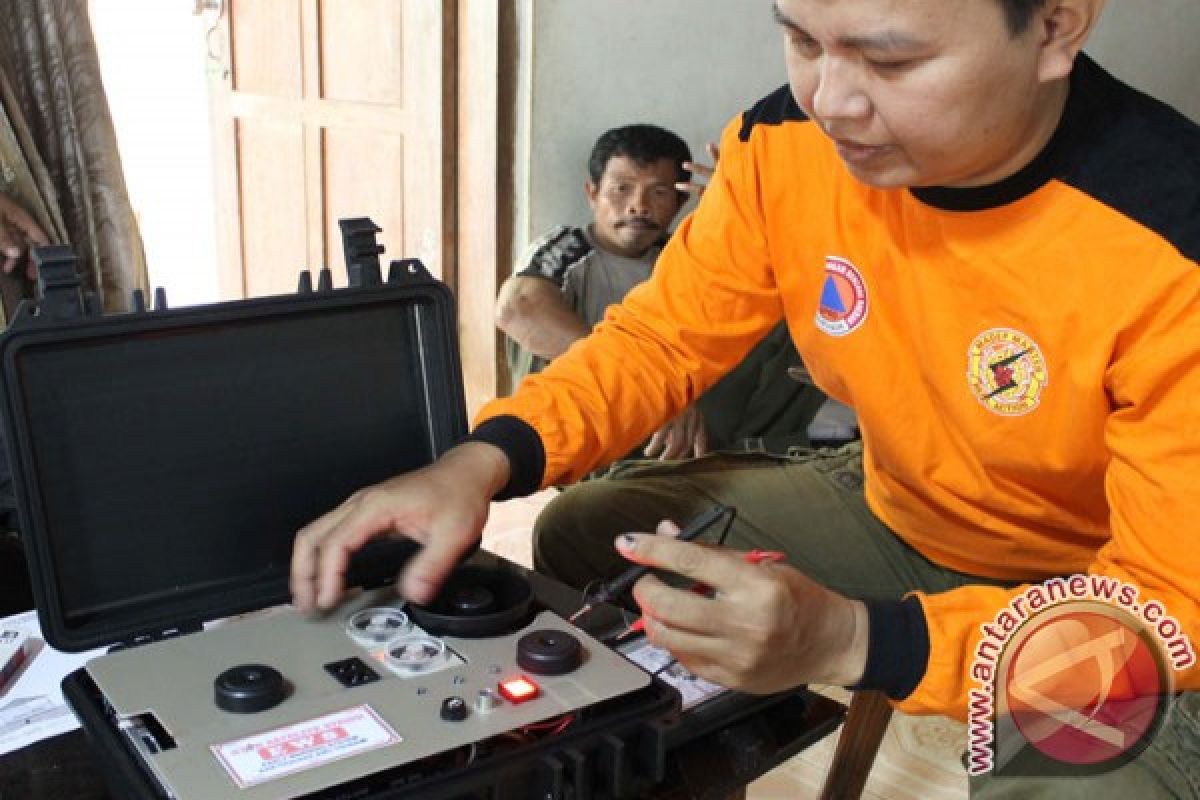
(590,189)
(1064,27)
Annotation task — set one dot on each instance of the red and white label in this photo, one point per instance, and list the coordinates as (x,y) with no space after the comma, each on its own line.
(314,743)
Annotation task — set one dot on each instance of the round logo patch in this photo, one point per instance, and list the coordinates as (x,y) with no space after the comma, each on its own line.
(843,298)
(1006,371)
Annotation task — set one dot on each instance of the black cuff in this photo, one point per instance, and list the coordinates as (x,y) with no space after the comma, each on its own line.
(898,647)
(521,443)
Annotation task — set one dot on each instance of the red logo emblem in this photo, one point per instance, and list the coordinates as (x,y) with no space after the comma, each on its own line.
(843,306)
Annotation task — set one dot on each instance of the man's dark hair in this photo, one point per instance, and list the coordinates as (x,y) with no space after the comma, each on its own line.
(1018,13)
(645,144)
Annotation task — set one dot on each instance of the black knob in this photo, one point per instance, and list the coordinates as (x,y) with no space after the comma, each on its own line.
(473,601)
(549,652)
(454,709)
(248,688)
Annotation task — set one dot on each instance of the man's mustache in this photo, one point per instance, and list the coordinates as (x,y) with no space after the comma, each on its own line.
(644,223)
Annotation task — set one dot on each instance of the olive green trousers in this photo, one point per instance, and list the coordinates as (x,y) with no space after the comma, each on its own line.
(810,506)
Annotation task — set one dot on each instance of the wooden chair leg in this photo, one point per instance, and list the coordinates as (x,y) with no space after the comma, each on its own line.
(866,721)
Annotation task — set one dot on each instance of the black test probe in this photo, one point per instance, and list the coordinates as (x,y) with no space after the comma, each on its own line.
(623,582)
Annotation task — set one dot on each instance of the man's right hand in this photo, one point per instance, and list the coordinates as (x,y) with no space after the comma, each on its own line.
(443,507)
(701,173)
(18,234)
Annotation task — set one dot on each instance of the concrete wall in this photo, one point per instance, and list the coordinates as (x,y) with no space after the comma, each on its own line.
(687,65)
(690,65)
(1152,45)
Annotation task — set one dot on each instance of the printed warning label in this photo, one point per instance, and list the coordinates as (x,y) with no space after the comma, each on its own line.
(313,743)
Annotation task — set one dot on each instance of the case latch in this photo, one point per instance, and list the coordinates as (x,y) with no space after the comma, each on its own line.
(362,251)
(362,257)
(60,294)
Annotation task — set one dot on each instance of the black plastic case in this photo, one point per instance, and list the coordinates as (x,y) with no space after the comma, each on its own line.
(164,459)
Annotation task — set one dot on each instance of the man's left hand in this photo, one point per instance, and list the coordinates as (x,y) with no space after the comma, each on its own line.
(765,628)
(683,437)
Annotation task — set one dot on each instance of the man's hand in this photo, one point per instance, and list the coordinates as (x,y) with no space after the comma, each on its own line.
(701,173)
(683,437)
(442,506)
(766,628)
(18,234)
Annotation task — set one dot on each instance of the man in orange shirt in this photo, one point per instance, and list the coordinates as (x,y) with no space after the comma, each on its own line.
(987,246)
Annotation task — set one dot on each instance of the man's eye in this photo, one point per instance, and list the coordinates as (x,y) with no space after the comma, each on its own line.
(804,44)
(890,66)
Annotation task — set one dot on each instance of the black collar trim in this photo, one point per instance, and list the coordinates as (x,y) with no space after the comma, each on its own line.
(1049,164)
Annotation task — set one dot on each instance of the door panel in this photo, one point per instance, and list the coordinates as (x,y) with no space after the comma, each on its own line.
(271,173)
(326,109)
(269,69)
(364,176)
(358,31)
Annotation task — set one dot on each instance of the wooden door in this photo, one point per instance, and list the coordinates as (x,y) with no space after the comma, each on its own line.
(324,109)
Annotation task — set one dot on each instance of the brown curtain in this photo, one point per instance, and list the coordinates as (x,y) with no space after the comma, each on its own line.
(58,149)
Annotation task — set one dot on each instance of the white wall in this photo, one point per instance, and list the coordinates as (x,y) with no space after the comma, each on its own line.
(153,61)
(1152,44)
(687,65)
(690,65)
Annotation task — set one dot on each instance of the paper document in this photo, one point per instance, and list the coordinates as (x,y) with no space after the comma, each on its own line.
(32,707)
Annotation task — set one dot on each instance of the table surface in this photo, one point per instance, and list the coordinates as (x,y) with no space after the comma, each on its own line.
(60,767)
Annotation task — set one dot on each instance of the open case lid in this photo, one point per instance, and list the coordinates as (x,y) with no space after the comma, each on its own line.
(163,461)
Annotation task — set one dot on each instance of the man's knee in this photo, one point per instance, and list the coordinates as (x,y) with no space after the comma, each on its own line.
(566,531)
(563,516)
(573,535)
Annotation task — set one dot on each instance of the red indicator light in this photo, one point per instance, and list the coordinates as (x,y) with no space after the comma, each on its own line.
(518,690)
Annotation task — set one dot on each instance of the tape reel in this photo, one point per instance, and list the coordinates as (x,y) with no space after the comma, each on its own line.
(415,653)
(375,627)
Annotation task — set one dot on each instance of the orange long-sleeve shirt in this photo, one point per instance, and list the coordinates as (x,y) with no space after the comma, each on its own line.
(1024,358)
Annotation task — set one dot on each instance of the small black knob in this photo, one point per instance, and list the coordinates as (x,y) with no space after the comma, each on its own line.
(549,652)
(454,709)
(248,688)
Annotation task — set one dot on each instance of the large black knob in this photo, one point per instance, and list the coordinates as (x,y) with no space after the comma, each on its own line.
(473,601)
(248,688)
(549,652)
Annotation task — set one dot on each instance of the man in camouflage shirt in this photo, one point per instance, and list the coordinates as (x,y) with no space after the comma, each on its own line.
(569,277)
